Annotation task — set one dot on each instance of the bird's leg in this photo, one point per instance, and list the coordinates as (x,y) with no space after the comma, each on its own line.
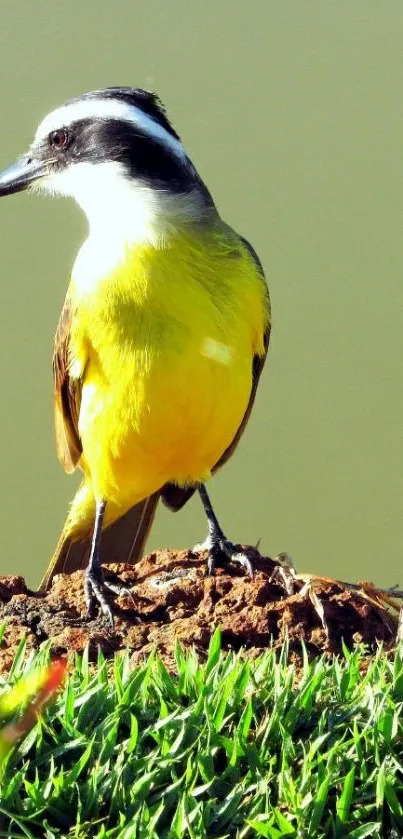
(220,549)
(94,583)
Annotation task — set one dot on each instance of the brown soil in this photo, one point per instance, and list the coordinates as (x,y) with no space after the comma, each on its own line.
(175,600)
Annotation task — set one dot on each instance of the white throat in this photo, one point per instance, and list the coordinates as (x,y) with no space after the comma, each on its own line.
(117,206)
(121,213)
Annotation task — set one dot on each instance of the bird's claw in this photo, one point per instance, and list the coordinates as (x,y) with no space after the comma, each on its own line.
(284,572)
(224,551)
(94,591)
(94,594)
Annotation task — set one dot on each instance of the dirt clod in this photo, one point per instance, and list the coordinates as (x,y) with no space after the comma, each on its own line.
(175,600)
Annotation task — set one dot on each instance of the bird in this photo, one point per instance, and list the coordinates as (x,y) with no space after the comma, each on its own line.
(162,337)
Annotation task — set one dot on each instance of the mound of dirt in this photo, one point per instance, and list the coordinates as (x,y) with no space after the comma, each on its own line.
(173,599)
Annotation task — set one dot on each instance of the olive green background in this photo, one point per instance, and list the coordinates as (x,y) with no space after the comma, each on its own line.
(292,111)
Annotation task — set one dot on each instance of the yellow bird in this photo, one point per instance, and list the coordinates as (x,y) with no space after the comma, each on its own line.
(162,336)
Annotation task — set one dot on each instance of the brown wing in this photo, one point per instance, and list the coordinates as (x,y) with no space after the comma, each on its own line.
(67,395)
(174,496)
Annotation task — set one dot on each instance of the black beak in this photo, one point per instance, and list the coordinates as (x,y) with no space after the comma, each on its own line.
(20,175)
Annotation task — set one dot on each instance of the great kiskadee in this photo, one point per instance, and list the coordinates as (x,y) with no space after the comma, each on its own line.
(163,333)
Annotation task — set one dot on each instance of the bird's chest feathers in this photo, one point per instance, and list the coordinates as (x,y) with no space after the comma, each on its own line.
(126,317)
(96,262)
(165,338)
(144,307)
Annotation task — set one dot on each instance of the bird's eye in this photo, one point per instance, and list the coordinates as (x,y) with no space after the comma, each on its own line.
(59,139)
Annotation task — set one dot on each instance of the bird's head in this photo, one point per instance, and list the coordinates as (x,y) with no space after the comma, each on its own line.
(111,150)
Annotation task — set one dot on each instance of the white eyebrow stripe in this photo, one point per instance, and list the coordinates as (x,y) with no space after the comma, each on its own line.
(108,109)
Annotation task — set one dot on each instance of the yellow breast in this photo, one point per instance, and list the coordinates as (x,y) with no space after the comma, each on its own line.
(166,341)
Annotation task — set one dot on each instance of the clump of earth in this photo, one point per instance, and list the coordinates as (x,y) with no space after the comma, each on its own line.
(172,599)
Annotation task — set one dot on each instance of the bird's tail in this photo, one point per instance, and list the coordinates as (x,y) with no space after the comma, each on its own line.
(122,541)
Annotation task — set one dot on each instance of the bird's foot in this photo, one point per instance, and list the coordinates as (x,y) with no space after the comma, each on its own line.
(95,586)
(284,572)
(221,551)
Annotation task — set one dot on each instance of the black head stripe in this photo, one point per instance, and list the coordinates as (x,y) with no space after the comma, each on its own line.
(144,158)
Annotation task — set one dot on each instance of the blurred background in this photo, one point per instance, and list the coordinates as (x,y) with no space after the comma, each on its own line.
(293,113)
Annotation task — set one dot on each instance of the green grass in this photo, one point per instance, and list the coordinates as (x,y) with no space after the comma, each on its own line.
(229,748)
